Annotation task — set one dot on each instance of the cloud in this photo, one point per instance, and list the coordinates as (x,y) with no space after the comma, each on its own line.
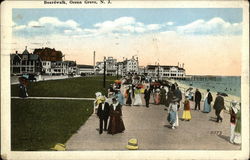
(170,23)
(123,26)
(153,26)
(49,25)
(215,26)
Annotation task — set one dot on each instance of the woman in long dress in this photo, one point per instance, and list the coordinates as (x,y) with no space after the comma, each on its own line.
(120,97)
(207,102)
(233,111)
(237,139)
(116,124)
(138,100)
(173,113)
(186,112)
(157,96)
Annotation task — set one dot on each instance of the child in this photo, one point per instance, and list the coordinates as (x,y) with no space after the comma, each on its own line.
(186,112)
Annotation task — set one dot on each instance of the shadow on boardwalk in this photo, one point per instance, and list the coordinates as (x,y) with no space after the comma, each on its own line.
(150,127)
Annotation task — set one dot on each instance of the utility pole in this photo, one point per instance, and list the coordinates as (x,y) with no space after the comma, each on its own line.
(94,62)
(158,71)
(117,74)
(104,72)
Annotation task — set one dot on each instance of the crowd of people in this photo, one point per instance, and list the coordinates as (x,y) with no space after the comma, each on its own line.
(169,95)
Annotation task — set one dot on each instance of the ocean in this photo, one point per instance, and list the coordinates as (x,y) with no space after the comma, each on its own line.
(227,84)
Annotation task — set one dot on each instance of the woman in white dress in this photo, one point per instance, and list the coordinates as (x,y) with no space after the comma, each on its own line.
(173,108)
(137,101)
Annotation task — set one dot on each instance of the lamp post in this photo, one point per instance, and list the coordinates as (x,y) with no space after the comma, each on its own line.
(104,72)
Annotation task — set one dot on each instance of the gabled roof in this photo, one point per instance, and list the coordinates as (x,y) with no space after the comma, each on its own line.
(26,51)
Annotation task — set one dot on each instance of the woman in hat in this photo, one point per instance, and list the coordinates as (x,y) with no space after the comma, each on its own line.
(157,97)
(233,112)
(116,124)
(138,101)
(207,102)
(186,112)
(172,113)
(237,139)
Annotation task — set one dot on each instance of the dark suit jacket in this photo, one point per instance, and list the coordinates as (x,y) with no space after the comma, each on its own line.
(219,103)
(197,96)
(209,98)
(104,114)
(147,94)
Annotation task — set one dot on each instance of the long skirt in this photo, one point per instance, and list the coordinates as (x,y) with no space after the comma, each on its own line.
(177,120)
(207,107)
(232,135)
(186,115)
(237,138)
(138,100)
(157,98)
(129,100)
(116,125)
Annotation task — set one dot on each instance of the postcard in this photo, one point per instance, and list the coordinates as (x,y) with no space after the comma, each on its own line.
(106,79)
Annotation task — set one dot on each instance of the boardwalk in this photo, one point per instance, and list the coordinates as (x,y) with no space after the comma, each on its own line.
(150,127)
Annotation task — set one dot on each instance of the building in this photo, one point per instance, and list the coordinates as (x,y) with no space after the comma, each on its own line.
(46,67)
(131,66)
(72,67)
(59,68)
(85,70)
(163,71)
(111,66)
(25,63)
(52,63)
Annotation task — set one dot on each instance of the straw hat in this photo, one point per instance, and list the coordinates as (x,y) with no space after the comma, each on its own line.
(132,144)
(59,147)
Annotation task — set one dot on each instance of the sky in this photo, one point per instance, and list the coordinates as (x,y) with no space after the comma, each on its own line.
(206,40)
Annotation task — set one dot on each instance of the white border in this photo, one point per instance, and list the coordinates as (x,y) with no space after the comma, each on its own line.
(6,16)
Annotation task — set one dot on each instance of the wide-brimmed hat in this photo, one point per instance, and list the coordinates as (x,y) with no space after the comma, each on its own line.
(234,102)
(102,98)
(132,144)
(59,147)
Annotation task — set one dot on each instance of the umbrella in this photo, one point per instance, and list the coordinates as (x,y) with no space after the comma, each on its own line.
(189,89)
(223,94)
(118,81)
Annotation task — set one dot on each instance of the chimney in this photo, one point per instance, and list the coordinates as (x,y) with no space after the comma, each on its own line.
(182,65)
(178,64)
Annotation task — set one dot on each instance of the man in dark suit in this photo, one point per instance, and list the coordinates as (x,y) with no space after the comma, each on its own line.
(197,99)
(178,94)
(103,114)
(147,96)
(218,106)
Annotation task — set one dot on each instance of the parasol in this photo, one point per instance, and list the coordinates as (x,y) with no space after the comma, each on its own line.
(189,89)
(223,94)
(118,81)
